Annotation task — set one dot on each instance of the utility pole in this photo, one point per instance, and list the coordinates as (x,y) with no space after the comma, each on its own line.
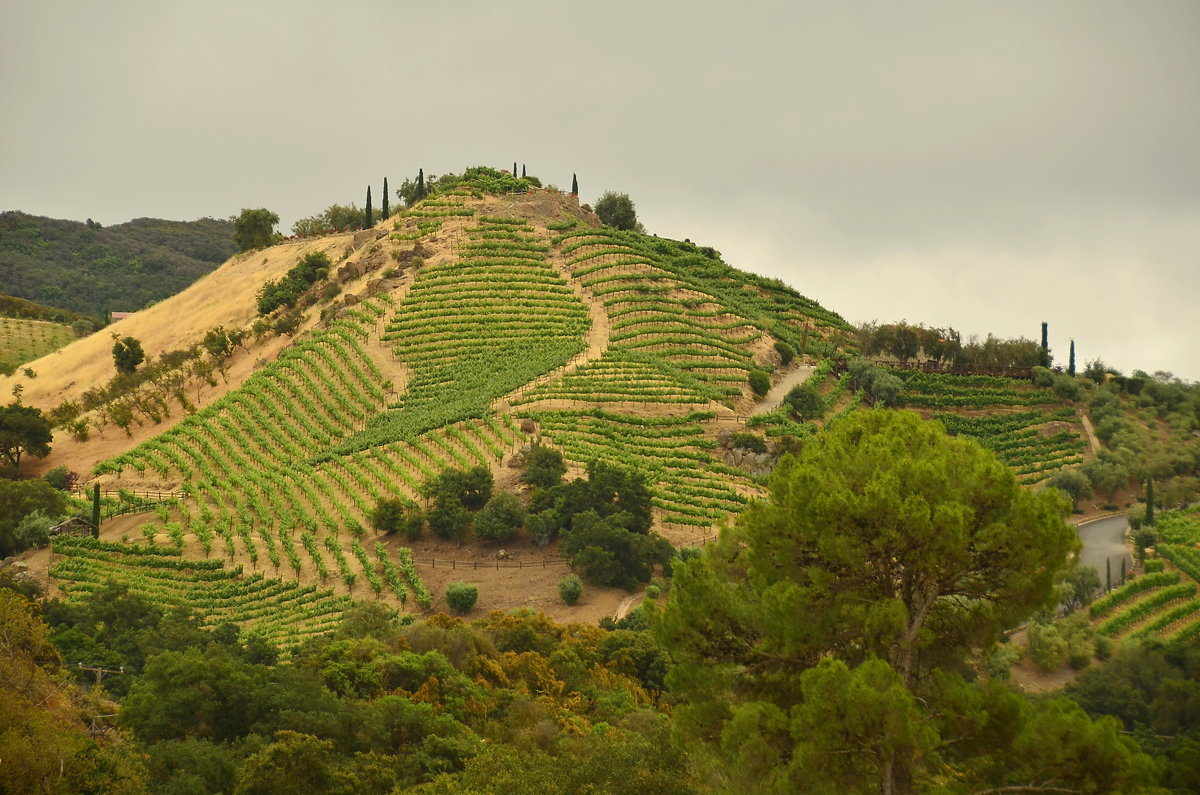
(99,671)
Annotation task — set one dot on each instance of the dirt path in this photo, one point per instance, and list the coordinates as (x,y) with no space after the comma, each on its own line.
(775,397)
(627,604)
(1091,433)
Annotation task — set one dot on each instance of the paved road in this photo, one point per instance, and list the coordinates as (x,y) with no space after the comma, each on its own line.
(1104,539)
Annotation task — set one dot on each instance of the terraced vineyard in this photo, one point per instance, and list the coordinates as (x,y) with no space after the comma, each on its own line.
(1028,427)
(690,486)
(283,612)
(1161,605)
(1022,439)
(23,340)
(278,476)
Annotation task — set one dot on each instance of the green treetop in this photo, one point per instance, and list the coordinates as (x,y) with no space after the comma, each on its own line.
(819,640)
(254,229)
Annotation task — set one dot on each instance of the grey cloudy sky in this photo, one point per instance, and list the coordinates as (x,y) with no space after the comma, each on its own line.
(977,164)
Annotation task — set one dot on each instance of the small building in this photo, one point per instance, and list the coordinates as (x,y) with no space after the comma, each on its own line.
(75,526)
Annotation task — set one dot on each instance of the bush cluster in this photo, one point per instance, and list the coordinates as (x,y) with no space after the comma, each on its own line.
(284,292)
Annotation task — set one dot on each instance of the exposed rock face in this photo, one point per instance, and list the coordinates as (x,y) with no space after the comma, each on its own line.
(350,271)
(755,464)
(1053,428)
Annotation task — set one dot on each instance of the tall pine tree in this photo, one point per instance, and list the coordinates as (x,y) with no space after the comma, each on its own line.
(370,213)
(1071,364)
(574,185)
(385,207)
(96,511)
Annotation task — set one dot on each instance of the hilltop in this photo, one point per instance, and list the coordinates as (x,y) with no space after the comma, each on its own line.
(456,334)
(330,436)
(92,270)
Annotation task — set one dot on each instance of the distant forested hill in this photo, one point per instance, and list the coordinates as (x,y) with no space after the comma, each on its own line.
(91,269)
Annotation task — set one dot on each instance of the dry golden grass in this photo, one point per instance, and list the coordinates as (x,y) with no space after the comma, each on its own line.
(224,297)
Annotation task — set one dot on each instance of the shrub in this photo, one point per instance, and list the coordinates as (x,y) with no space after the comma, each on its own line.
(501,518)
(1047,648)
(1104,646)
(1068,388)
(570,588)
(1002,659)
(885,389)
(288,322)
(449,520)
(471,488)
(544,467)
(413,525)
(609,554)
(60,478)
(760,382)
(461,596)
(1042,376)
(805,401)
(284,292)
(388,516)
(786,354)
(653,591)
(750,441)
(542,526)
(33,530)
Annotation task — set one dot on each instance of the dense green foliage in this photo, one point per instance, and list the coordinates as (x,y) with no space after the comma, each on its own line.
(570,588)
(127,354)
(92,271)
(254,229)
(335,218)
(884,524)
(544,467)
(461,596)
(18,500)
(500,519)
(284,291)
(24,430)
(617,210)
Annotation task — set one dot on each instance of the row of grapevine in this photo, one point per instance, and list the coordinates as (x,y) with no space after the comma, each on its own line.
(215,593)
(1020,438)
(690,486)
(475,328)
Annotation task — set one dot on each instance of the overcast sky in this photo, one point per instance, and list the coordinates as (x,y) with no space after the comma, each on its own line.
(983,165)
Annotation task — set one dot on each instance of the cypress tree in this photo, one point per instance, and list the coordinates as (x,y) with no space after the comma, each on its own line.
(514,168)
(370,215)
(421,184)
(1071,364)
(1045,344)
(384,205)
(522,171)
(574,185)
(1150,501)
(1122,569)
(96,511)
(1107,574)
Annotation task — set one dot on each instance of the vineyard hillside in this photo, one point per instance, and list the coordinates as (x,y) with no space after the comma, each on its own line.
(452,335)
